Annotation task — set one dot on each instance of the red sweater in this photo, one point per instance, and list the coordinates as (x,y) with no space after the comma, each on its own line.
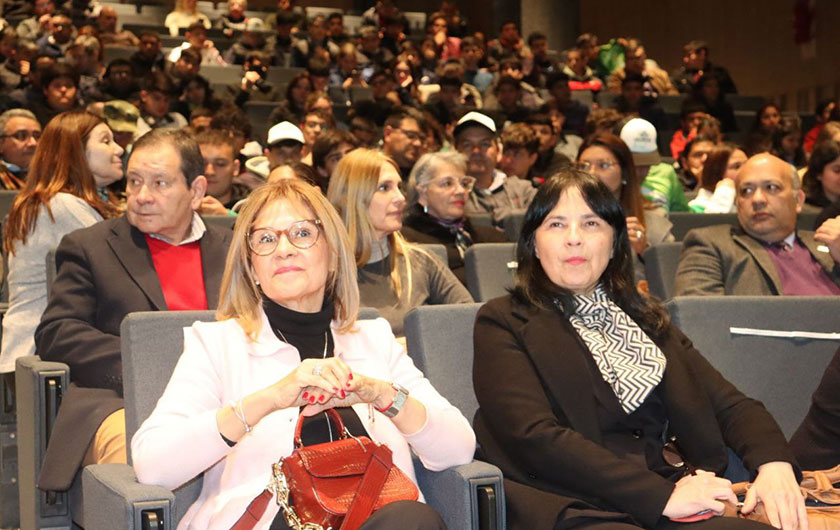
(180,273)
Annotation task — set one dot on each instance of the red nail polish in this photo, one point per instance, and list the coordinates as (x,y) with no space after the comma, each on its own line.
(312,399)
(343,394)
(350,377)
(335,389)
(322,399)
(305,395)
(348,385)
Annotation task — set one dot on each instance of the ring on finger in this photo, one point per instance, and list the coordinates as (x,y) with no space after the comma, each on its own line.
(317,370)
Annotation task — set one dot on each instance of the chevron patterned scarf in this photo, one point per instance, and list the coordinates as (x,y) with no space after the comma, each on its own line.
(627,358)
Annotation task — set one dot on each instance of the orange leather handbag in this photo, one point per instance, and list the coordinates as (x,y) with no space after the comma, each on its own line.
(334,485)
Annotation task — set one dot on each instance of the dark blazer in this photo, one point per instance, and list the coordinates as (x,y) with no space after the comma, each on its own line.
(104,272)
(724,260)
(420,227)
(538,421)
(816,443)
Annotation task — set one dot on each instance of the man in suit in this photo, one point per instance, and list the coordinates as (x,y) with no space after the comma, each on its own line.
(765,255)
(160,256)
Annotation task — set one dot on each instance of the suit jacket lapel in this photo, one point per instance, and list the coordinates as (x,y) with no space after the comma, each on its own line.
(129,246)
(213,255)
(558,356)
(761,257)
(824,258)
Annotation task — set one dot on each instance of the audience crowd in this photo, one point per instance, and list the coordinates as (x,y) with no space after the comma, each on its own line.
(121,144)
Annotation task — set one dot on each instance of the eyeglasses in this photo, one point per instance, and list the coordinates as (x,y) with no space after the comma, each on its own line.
(603,165)
(413,135)
(22,136)
(449,183)
(302,234)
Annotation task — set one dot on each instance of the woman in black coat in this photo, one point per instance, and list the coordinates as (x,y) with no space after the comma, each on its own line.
(598,411)
(438,189)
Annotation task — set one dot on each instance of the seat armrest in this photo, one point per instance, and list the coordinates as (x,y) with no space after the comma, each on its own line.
(121,502)
(470,496)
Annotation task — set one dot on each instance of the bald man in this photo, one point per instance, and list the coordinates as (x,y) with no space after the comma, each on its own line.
(109,35)
(766,254)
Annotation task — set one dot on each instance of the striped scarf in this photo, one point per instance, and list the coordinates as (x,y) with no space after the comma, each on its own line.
(627,358)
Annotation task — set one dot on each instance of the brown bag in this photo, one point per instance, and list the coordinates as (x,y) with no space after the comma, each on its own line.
(331,485)
(817,487)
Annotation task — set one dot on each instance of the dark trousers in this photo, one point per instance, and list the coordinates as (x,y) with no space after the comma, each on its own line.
(715,523)
(405,515)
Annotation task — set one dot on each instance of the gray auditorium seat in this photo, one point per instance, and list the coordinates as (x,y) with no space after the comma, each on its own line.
(780,372)
(437,250)
(440,342)
(661,263)
(685,221)
(490,268)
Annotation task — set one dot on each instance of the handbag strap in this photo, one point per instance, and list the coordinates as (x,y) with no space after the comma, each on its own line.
(254,511)
(378,468)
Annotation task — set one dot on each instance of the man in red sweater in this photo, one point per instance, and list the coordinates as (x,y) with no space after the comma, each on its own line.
(160,256)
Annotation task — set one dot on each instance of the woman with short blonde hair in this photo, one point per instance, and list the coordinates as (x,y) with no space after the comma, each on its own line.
(394,275)
(287,346)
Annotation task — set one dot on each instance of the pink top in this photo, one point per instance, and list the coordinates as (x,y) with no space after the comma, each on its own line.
(180,439)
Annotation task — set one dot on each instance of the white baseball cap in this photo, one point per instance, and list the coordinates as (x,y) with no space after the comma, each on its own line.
(640,137)
(285,131)
(475,118)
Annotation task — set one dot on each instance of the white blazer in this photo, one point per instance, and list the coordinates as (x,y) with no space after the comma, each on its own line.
(180,439)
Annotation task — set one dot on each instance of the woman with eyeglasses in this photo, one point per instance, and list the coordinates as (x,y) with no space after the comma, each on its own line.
(394,275)
(289,342)
(609,159)
(438,190)
(66,189)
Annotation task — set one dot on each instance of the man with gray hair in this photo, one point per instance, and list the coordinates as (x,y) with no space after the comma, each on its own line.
(766,254)
(19,134)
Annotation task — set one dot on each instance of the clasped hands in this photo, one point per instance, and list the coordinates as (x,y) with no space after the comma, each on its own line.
(775,487)
(320,384)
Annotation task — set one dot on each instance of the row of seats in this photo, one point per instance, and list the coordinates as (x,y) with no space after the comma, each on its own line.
(780,372)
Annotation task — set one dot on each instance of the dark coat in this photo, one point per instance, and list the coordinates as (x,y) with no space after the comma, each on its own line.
(104,272)
(538,421)
(816,443)
(419,227)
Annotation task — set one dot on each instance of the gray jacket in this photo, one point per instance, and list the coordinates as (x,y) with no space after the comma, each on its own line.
(724,260)
(512,196)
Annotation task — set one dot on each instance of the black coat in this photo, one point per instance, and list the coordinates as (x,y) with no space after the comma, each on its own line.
(816,442)
(538,421)
(104,272)
(420,227)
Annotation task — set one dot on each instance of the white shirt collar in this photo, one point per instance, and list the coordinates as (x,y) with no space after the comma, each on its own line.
(197,229)
(498,181)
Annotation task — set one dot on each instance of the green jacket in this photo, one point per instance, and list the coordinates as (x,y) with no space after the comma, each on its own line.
(663,187)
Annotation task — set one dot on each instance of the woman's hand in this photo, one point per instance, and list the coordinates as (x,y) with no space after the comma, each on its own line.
(322,378)
(360,389)
(638,237)
(698,493)
(776,487)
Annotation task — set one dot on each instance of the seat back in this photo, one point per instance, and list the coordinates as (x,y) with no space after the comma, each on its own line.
(512,225)
(439,339)
(490,268)
(437,250)
(222,221)
(661,263)
(780,372)
(685,221)
(51,269)
(7,197)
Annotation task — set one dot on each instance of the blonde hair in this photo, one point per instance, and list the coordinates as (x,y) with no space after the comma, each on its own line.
(352,185)
(241,298)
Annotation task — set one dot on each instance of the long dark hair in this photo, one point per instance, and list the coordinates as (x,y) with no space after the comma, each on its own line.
(630,195)
(533,287)
(824,154)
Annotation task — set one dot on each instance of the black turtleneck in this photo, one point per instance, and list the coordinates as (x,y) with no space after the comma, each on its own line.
(308,332)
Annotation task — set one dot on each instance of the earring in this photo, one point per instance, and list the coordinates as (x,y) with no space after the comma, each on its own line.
(426,208)
(623,182)
(257,282)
